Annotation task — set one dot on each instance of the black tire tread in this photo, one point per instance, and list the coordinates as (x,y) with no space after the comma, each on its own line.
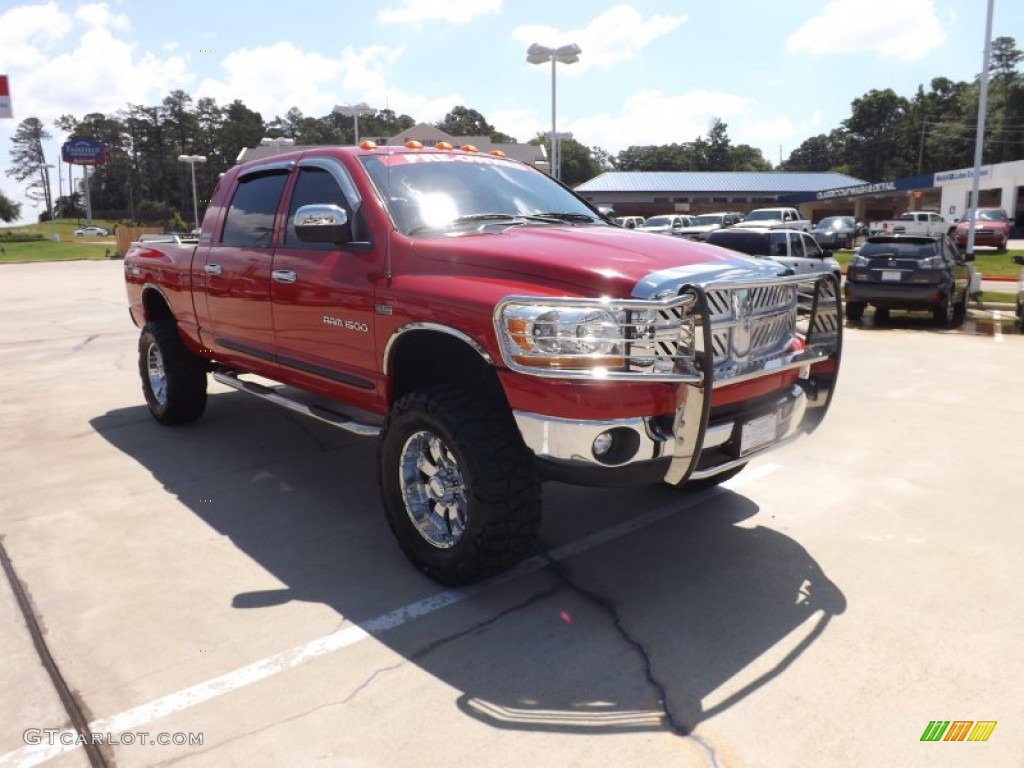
(186,375)
(502,482)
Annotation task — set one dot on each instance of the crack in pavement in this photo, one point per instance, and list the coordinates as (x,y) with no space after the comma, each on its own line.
(675,724)
(380,672)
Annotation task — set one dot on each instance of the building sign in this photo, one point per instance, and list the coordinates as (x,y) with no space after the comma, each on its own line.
(859,189)
(5,97)
(963,173)
(77,151)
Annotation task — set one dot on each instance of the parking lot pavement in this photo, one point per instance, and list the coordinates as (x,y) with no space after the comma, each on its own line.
(234,583)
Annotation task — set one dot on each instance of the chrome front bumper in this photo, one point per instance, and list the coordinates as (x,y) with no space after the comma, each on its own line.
(567,447)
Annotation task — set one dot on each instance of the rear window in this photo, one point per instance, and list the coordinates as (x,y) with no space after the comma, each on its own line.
(752,243)
(904,249)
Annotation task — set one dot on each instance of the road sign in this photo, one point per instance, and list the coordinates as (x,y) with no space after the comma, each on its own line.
(79,151)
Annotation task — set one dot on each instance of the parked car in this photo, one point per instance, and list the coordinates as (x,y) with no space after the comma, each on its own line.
(91,232)
(1020,294)
(701,226)
(629,222)
(838,232)
(913,223)
(797,250)
(666,223)
(778,218)
(909,272)
(991,227)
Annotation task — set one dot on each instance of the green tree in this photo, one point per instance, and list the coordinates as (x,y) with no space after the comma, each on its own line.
(9,210)
(463,121)
(873,147)
(28,160)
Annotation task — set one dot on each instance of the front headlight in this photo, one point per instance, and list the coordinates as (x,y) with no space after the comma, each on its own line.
(563,337)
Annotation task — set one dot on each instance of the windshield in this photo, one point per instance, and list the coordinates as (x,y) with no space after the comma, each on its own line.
(428,193)
(987,215)
(708,218)
(764,216)
(658,221)
(836,222)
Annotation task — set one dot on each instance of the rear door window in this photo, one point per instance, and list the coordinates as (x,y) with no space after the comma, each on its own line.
(250,218)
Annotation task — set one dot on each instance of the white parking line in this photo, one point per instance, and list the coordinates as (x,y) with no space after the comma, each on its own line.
(133,719)
(997,327)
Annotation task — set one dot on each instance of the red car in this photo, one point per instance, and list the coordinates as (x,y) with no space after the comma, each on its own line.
(991,227)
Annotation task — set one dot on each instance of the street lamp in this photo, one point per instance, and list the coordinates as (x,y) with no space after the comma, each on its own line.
(192,160)
(354,111)
(277,143)
(567,54)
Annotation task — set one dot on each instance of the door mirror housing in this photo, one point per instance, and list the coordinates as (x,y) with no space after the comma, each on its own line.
(322,224)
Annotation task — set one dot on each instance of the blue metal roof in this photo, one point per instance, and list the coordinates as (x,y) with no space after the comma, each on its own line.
(767,182)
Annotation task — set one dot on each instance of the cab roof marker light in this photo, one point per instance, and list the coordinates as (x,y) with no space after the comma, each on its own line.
(497,153)
(367,144)
(443,145)
(413,144)
(468,148)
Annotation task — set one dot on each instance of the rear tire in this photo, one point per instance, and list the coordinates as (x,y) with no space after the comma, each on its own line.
(173,379)
(855,311)
(461,491)
(943,311)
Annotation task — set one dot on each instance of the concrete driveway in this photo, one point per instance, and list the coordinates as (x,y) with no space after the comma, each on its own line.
(231,587)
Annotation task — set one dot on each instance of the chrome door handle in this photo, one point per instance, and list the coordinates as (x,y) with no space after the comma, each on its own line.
(283,275)
(212,269)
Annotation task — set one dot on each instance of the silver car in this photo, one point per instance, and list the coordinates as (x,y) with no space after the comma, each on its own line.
(797,250)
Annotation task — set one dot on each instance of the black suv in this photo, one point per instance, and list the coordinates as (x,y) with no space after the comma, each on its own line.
(908,272)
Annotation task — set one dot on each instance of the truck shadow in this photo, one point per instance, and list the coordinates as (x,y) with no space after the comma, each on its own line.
(659,628)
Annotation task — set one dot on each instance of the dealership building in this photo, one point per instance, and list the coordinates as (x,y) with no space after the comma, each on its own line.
(816,195)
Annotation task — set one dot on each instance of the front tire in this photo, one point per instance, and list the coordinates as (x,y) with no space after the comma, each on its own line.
(461,492)
(173,379)
(855,311)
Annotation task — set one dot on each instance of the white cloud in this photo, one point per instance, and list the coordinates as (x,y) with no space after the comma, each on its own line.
(28,32)
(451,11)
(273,79)
(101,73)
(905,30)
(679,118)
(100,15)
(617,35)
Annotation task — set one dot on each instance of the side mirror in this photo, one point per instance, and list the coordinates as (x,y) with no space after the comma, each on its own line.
(322,224)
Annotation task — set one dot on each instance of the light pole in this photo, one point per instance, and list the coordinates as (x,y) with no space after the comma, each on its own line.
(567,54)
(192,160)
(277,143)
(354,111)
(49,201)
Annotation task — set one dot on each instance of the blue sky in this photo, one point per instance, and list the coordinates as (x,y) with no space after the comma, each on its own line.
(650,72)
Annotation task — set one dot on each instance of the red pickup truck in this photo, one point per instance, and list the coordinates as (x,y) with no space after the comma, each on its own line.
(490,328)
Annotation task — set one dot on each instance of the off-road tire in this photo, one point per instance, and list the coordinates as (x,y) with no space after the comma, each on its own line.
(173,379)
(483,464)
(855,311)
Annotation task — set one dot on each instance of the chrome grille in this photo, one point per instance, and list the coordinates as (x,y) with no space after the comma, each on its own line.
(751,323)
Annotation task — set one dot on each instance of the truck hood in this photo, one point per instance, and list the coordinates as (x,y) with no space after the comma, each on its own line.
(592,260)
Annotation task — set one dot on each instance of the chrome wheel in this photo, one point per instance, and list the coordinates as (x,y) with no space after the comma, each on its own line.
(157,374)
(433,489)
